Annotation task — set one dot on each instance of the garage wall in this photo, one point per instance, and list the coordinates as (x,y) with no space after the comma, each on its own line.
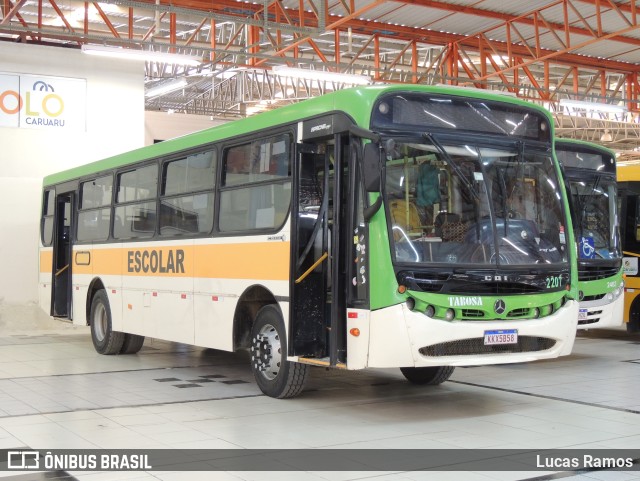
(114,123)
(165,126)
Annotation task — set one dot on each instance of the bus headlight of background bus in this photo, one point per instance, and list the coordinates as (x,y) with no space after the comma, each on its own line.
(619,290)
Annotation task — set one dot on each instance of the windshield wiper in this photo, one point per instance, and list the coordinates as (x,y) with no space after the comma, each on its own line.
(453,165)
(584,201)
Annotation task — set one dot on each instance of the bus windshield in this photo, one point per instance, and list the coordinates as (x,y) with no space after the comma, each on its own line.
(467,203)
(594,201)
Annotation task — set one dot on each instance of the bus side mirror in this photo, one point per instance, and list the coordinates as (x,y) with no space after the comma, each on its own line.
(371,167)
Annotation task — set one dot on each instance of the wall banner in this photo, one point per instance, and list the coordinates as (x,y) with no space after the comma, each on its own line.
(39,102)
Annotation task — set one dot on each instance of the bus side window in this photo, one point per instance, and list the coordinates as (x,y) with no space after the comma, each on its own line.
(636,229)
(136,203)
(186,204)
(47,217)
(255,192)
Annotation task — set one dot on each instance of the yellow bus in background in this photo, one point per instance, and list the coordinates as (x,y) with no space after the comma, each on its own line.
(629,198)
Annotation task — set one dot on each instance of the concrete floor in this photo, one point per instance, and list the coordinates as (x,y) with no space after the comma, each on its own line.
(56,392)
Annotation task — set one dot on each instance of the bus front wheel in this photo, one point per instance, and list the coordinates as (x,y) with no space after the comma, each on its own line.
(275,376)
(105,339)
(427,375)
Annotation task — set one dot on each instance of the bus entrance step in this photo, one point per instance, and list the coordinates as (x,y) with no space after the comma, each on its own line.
(324,362)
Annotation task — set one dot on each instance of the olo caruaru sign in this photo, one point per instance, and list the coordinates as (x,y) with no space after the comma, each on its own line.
(38,102)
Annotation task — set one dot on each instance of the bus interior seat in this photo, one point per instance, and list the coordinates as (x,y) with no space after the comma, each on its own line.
(401,211)
(449,227)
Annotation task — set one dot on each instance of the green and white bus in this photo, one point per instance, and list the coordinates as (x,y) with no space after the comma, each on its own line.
(385,226)
(590,178)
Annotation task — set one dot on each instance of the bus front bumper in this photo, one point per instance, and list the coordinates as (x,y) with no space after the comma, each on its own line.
(598,315)
(399,337)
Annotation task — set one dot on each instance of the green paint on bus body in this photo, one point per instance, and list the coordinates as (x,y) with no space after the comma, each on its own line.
(571,244)
(583,143)
(358,104)
(599,286)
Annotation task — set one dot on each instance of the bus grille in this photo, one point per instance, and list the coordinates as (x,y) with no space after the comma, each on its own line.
(597,297)
(590,320)
(524,311)
(472,313)
(593,273)
(584,322)
(470,347)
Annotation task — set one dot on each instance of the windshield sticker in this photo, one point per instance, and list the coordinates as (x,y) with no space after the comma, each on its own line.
(587,248)
(562,238)
(465,301)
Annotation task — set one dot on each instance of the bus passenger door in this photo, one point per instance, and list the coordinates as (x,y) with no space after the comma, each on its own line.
(61,295)
(310,247)
(318,285)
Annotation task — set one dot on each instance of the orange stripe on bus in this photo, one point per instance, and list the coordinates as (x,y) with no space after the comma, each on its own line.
(261,260)
(46,261)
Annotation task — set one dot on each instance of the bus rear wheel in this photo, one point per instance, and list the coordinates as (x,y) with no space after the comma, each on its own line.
(105,339)
(275,376)
(431,376)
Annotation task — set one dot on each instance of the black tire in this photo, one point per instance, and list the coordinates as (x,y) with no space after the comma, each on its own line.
(105,339)
(132,344)
(430,376)
(275,376)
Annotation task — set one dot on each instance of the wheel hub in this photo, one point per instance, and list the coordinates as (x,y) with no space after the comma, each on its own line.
(261,353)
(266,352)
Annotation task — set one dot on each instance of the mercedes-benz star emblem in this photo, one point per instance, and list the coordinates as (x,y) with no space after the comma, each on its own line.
(499,306)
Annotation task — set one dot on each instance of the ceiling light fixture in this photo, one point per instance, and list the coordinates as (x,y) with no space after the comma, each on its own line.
(321,75)
(166,87)
(606,136)
(141,55)
(595,107)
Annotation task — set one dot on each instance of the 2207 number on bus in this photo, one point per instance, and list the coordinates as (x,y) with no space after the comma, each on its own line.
(504,336)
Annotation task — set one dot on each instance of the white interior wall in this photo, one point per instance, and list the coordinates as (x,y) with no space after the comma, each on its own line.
(164,126)
(115,123)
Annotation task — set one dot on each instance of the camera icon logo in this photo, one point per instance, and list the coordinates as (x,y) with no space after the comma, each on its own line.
(23,460)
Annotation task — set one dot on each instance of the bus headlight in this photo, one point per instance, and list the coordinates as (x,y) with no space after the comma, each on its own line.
(430,311)
(449,315)
(618,292)
(411,303)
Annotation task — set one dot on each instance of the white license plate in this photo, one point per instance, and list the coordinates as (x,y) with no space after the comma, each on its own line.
(505,336)
(582,314)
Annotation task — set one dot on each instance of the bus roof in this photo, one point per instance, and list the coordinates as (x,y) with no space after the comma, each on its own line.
(584,144)
(356,102)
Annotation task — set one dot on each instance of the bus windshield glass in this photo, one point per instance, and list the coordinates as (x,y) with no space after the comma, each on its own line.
(466,203)
(594,201)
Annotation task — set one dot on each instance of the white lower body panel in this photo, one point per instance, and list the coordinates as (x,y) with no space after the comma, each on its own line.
(396,335)
(599,315)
